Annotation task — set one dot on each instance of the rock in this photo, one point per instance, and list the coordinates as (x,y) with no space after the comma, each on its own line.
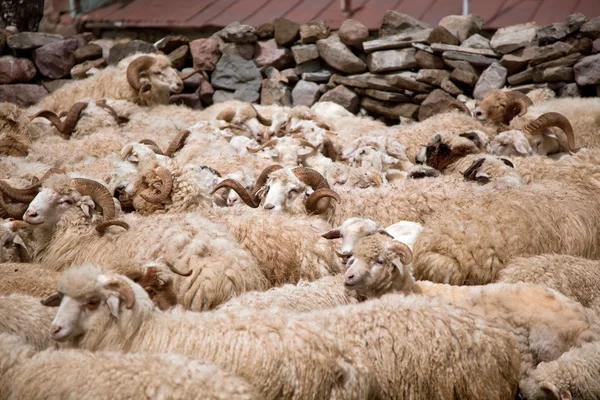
(590,29)
(442,35)
(441,48)
(464,77)
(305,93)
(514,63)
(390,110)
(463,65)
(494,77)
(353,33)
(582,45)
(249,96)
(313,31)
(238,33)
(205,53)
(587,70)
(286,31)
(575,22)
(462,26)
(191,100)
(420,98)
(476,41)
(319,76)
(437,102)
(473,59)
(3,37)
(551,52)
(290,74)
(88,52)
(56,59)
(338,56)
(31,40)
(566,61)
(305,52)
(233,72)
(194,81)
(555,74)
(450,87)
(55,84)
(179,56)
(268,53)
(596,46)
(552,33)
(511,38)
(244,50)
(265,31)
(80,70)
(398,41)
(432,76)
(16,70)
(369,82)
(344,97)
(122,50)
(570,90)
(310,66)
(385,96)
(22,94)
(428,60)
(407,83)
(171,42)
(395,22)
(392,60)
(206,92)
(273,73)
(521,77)
(275,92)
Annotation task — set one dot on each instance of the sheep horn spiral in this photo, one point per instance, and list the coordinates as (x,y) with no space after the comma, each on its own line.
(259,148)
(123,288)
(262,178)
(517,104)
(402,250)
(65,127)
(135,68)
(226,115)
(166,180)
(120,120)
(99,194)
(176,271)
(249,199)
(12,210)
(313,200)
(103,226)
(549,120)
(457,105)
(153,146)
(261,119)
(177,143)
(469,174)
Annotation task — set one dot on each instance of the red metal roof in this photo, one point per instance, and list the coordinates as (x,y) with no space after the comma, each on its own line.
(219,13)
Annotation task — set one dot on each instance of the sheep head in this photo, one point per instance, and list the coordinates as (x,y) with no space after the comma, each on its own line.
(378,265)
(511,143)
(501,170)
(500,107)
(445,148)
(246,115)
(351,231)
(88,299)
(12,246)
(153,73)
(544,142)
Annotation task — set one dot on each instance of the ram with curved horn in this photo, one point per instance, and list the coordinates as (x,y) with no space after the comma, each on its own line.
(64,127)
(500,107)
(550,120)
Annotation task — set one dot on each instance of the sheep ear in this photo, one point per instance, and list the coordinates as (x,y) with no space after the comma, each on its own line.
(86,209)
(481,176)
(113,303)
(53,300)
(405,254)
(551,135)
(384,232)
(565,395)
(145,88)
(304,151)
(550,391)
(521,149)
(507,162)
(333,234)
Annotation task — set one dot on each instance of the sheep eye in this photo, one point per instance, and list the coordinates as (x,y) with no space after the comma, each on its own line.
(67,201)
(379,261)
(92,304)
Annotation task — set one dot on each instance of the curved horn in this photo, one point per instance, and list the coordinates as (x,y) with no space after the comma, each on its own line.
(262,178)
(72,117)
(99,194)
(402,250)
(340,255)
(332,234)
(166,180)
(176,271)
(329,150)
(183,76)
(549,120)
(457,105)
(306,143)
(313,200)
(122,287)
(177,143)
(517,104)
(119,119)
(153,146)
(135,67)
(237,187)
(103,226)
(126,151)
(226,115)
(12,210)
(24,195)
(259,148)
(473,168)
(311,177)
(261,119)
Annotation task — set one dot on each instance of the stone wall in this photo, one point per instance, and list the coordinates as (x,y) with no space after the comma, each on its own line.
(409,69)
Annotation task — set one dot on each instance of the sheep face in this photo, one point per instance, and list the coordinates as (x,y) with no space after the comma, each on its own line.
(283,188)
(444,149)
(12,247)
(492,107)
(369,157)
(47,208)
(163,77)
(351,231)
(511,143)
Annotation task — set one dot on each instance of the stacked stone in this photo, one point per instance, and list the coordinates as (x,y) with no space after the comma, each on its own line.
(409,70)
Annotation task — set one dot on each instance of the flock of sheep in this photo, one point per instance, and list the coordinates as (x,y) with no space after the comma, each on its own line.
(264,252)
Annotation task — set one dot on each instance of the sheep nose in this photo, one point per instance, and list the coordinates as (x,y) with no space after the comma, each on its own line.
(56,329)
(349,277)
(31,214)
(478,113)
(269,206)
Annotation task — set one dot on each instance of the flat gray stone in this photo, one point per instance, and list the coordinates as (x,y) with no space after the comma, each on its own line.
(450,87)
(554,74)
(432,76)
(509,39)
(392,60)
(338,56)
(570,90)
(309,66)
(305,93)
(462,26)
(344,97)
(31,40)
(521,77)
(590,29)
(473,59)
(238,33)
(406,83)
(552,33)
(398,41)
(305,52)
(440,48)
(385,96)
(388,109)
(494,77)
(275,92)
(246,95)
(551,52)
(587,70)
(396,22)
(464,77)
(122,50)
(319,76)
(437,102)
(476,41)
(233,72)
(244,50)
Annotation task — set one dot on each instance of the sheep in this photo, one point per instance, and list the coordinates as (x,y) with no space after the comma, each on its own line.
(380,348)
(25,317)
(17,132)
(13,247)
(145,79)
(574,375)
(323,293)
(544,322)
(25,278)
(575,277)
(28,374)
